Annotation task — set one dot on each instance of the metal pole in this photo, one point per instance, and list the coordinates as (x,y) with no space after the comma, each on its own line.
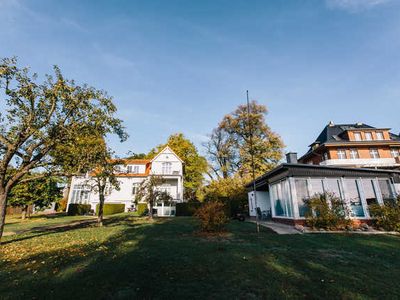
(252,159)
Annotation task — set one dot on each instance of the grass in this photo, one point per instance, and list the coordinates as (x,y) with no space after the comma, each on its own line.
(132,257)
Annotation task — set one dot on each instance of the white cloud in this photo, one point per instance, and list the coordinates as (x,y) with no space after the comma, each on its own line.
(355,5)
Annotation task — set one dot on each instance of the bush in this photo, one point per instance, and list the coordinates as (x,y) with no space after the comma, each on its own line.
(75,209)
(386,216)
(142,209)
(187,208)
(111,208)
(62,205)
(320,214)
(212,216)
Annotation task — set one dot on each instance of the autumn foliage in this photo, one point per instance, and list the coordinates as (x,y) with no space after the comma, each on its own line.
(212,216)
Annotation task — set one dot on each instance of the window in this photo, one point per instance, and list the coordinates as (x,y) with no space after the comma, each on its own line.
(316,187)
(353,196)
(341,153)
(302,195)
(374,153)
(281,199)
(136,169)
(368,136)
(394,152)
(357,136)
(379,136)
(134,188)
(107,190)
(129,169)
(354,154)
(80,194)
(332,186)
(369,191)
(325,156)
(166,168)
(386,190)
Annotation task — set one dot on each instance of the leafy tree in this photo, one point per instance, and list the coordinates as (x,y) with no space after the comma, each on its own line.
(39,192)
(137,156)
(38,117)
(195,165)
(230,191)
(149,192)
(238,135)
(103,178)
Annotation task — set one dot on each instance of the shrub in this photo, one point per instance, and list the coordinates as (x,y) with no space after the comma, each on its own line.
(386,216)
(142,209)
(75,209)
(212,216)
(62,204)
(187,208)
(111,208)
(326,211)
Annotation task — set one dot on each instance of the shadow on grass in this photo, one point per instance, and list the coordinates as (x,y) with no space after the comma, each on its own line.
(165,259)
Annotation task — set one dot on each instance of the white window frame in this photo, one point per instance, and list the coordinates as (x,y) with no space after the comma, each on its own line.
(354,154)
(374,153)
(166,168)
(135,169)
(357,136)
(368,136)
(394,152)
(340,152)
(380,136)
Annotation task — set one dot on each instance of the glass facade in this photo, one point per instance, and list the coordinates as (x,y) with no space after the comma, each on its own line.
(356,193)
(80,194)
(352,193)
(281,199)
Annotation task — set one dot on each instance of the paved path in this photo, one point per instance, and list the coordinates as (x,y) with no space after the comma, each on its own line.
(278,228)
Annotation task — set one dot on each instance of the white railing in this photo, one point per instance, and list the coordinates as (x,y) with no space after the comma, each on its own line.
(365,162)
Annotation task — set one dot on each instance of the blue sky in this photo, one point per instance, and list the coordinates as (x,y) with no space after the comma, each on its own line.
(179,66)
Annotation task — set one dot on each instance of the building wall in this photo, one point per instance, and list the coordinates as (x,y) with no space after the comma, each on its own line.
(263,201)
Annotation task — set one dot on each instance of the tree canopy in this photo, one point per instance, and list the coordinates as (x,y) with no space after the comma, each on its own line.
(236,136)
(40,116)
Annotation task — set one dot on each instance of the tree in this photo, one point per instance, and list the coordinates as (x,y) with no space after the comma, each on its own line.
(136,155)
(38,117)
(104,177)
(38,192)
(149,192)
(229,148)
(195,165)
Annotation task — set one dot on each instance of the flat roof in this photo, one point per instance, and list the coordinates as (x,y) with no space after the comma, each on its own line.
(307,170)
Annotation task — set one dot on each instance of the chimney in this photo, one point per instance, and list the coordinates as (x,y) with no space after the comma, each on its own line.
(291,158)
(331,124)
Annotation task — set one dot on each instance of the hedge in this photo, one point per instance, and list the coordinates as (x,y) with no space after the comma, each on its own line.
(187,208)
(75,209)
(111,208)
(142,209)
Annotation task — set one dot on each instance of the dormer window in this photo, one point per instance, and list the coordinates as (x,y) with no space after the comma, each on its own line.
(368,136)
(394,152)
(379,136)
(357,136)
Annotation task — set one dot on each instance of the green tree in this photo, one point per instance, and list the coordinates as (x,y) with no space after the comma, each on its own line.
(103,177)
(238,135)
(38,192)
(40,116)
(195,165)
(149,192)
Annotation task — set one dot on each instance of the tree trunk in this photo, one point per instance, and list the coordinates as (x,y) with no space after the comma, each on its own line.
(3,204)
(150,206)
(100,214)
(24,212)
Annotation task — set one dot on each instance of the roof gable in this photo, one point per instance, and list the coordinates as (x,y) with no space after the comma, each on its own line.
(167,150)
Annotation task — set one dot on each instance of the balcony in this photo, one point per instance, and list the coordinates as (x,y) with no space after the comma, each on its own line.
(362,162)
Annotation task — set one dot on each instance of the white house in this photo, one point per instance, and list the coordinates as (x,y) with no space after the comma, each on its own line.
(165,164)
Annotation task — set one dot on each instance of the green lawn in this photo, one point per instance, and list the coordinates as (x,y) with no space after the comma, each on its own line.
(131,257)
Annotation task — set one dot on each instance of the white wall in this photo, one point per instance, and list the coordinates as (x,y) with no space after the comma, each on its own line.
(263,201)
(166,156)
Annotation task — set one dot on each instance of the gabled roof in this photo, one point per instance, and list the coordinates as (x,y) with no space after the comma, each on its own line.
(163,150)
